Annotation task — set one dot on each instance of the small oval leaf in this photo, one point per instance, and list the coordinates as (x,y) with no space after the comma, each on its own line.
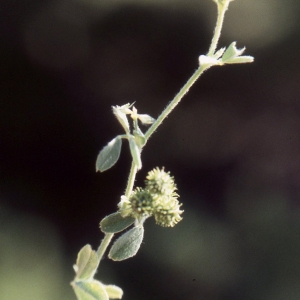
(120,113)
(113,291)
(115,223)
(89,290)
(86,263)
(146,119)
(135,153)
(127,245)
(109,155)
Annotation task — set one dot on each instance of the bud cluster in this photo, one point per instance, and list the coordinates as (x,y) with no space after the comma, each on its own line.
(157,199)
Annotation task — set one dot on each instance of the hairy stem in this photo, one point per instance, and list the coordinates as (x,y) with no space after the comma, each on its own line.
(175,101)
(222,7)
(219,24)
(133,171)
(103,246)
(131,179)
(108,236)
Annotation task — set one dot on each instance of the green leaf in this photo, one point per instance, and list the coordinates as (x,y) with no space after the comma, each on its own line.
(89,290)
(241,60)
(109,155)
(127,245)
(113,291)
(219,53)
(135,153)
(115,223)
(139,137)
(232,52)
(86,263)
(120,113)
(146,119)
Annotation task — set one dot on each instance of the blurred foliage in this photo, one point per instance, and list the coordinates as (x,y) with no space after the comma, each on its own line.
(31,259)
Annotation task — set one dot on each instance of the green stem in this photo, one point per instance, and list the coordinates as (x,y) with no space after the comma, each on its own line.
(103,246)
(175,101)
(131,179)
(220,19)
(108,236)
(133,171)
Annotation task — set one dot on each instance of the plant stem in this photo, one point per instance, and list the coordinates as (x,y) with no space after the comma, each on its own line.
(133,171)
(222,7)
(175,101)
(108,236)
(131,179)
(219,24)
(103,246)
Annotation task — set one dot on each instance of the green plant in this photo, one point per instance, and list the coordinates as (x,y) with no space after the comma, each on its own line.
(158,198)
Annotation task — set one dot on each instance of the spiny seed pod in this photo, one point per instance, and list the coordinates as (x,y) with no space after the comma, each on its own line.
(141,203)
(158,198)
(158,182)
(167,213)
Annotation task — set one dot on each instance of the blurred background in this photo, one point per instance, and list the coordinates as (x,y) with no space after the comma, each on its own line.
(233,145)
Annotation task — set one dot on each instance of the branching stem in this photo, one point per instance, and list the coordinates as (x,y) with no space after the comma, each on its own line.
(133,171)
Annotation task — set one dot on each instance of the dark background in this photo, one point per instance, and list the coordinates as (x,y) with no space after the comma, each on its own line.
(233,145)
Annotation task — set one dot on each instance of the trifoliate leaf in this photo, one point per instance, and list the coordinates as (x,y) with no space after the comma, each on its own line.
(113,291)
(109,155)
(115,223)
(89,290)
(233,56)
(135,152)
(127,245)
(86,263)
